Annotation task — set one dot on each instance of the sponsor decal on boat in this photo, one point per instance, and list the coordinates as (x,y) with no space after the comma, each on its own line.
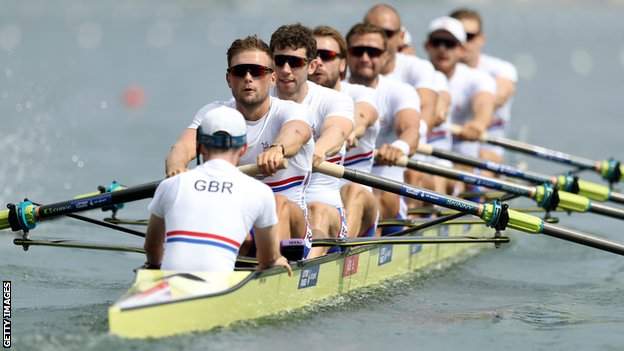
(415,248)
(385,254)
(350,265)
(309,276)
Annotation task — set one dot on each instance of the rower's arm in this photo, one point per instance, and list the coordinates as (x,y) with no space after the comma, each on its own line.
(181,153)
(505,89)
(407,127)
(443,104)
(293,135)
(483,111)
(154,240)
(334,132)
(268,249)
(365,115)
(291,138)
(427,104)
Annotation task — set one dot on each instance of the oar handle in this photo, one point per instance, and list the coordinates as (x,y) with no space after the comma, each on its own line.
(457,129)
(252,169)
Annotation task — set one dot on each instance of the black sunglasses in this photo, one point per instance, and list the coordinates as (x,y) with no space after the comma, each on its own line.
(327,55)
(470,36)
(390,33)
(358,51)
(255,70)
(447,43)
(293,61)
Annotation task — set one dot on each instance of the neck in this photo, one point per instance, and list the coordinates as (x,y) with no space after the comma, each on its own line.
(449,72)
(472,61)
(256,111)
(228,156)
(371,83)
(390,64)
(337,85)
(297,96)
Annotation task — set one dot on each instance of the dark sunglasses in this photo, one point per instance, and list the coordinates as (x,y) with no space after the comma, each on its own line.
(390,33)
(470,36)
(255,70)
(358,51)
(293,61)
(447,43)
(327,55)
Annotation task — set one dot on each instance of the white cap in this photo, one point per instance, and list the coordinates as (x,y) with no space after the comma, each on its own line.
(451,25)
(222,119)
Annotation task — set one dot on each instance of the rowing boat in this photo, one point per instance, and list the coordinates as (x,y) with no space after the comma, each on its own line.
(162,303)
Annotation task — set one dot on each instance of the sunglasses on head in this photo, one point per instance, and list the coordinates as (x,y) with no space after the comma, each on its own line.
(255,70)
(327,55)
(470,36)
(293,61)
(358,51)
(447,43)
(390,33)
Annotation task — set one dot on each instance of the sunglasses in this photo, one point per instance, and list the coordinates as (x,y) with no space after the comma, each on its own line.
(447,43)
(358,51)
(327,55)
(470,36)
(390,33)
(293,61)
(255,70)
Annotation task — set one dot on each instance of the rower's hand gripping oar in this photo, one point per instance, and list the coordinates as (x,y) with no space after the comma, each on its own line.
(569,183)
(611,170)
(25,215)
(494,214)
(546,195)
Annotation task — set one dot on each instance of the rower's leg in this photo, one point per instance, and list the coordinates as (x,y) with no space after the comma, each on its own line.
(490,155)
(353,202)
(389,203)
(416,179)
(324,221)
(370,215)
(284,225)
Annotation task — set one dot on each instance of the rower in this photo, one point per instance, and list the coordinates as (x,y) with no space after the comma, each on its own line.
(472,92)
(502,71)
(360,203)
(200,218)
(398,106)
(277,129)
(331,114)
(410,69)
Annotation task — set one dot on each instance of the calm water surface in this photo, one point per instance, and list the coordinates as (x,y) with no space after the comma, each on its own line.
(65,129)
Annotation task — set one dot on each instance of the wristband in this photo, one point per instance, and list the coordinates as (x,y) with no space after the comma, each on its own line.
(402,145)
(280,145)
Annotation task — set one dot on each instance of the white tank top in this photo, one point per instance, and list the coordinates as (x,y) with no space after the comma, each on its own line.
(361,156)
(323,102)
(496,67)
(208,212)
(291,181)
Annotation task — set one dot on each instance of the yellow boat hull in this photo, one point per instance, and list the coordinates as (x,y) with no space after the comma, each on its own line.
(202,301)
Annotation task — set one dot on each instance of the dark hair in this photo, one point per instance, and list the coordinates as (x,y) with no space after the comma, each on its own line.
(251,42)
(294,36)
(327,31)
(465,13)
(366,28)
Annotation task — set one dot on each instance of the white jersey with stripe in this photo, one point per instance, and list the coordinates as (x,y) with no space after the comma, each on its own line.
(324,102)
(498,68)
(392,97)
(440,82)
(208,212)
(361,156)
(291,181)
(413,70)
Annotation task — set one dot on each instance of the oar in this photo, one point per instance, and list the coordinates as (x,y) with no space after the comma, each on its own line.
(494,214)
(25,215)
(405,240)
(567,183)
(545,195)
(611,170)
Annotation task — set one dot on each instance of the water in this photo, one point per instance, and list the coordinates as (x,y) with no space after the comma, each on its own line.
(65,129)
